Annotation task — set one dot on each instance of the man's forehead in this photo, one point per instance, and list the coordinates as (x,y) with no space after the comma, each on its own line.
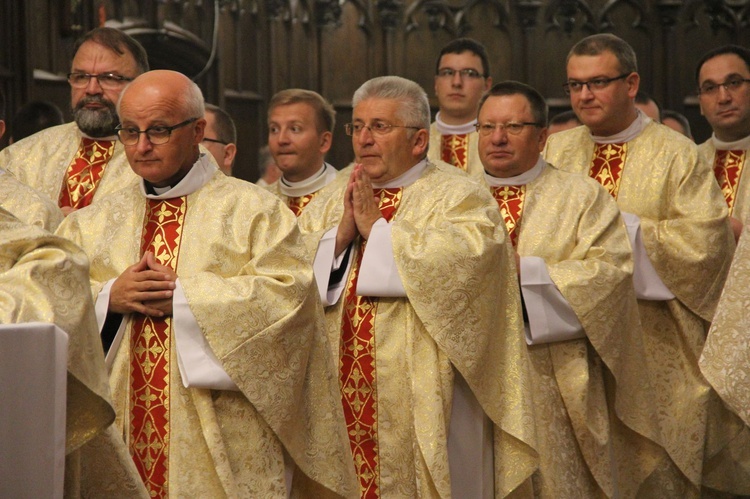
(92,51)
(467,57)
(601,62)
(513,104)
(724,65)
(377,108)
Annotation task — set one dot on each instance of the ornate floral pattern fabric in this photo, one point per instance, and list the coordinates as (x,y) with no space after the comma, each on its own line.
(510,201)
(28,205)
(473,164)
(606,165)
(84,173)
(740,207)
(454,150)
(42,160)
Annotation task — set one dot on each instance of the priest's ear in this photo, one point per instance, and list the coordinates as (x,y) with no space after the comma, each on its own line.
(325,141)
(420,141)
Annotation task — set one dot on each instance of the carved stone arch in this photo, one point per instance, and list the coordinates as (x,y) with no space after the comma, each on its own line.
(561,15)
(440,15)
(604,23)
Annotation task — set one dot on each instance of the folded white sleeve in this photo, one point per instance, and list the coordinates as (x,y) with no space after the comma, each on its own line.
(326,262)
(102,304)
(378,274)
(648,285)
(550,316)
(198,365)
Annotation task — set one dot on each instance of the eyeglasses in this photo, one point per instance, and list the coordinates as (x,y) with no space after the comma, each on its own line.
(510,127)
(206,139)
(378,128)
(732,85)
(108,81)
(574,87)
(465,73)
(157,135)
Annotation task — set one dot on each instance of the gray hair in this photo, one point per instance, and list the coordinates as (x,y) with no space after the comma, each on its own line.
(415,108)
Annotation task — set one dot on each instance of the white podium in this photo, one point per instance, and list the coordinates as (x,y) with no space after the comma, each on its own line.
(33,380)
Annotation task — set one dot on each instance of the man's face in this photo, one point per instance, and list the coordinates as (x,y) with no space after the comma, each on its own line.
(727,111)
(217,150)
(503,154)
(94,107)
(608,110)
(160,164)
(387,156)
(458,95)
(296,145)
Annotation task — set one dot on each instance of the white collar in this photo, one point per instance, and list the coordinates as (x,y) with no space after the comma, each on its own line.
(522,179)
(737,145)
(405,179)
(110,137)
(446,129)
(197,177)
(320,179)
(631,132)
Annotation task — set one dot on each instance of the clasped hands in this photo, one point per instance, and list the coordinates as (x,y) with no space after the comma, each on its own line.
(146,288)
(360,209)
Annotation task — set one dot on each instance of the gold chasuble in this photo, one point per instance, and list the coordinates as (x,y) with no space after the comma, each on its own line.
(298,195)
(246,287)
(84,173)
(461,312)
(45,279)
(729,169)
(688,241)
(28,205)
(357,373)
(458,150)
(150,370)
(594,409)
(68,168)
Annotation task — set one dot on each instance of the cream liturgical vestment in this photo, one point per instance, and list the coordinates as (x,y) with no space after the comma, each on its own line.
(251,378)
(729,161)
(595,417)
(457,146)
(297,195)
(41,161)
(28,205)
(450,316)
(44,278)
(688,245)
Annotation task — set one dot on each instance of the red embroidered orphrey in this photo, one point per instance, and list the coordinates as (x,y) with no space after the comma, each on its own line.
(358,378)
(454,150)
(150,346)
(298,203)
(607,164)
(728,170)
(84,173)
(510,200)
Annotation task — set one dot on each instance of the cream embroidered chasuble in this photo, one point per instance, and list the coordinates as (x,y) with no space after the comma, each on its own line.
(28,205)
(461,311)
(595,416)
(688,241)
(41,161)
(247,288)
(471,155)
(729,162)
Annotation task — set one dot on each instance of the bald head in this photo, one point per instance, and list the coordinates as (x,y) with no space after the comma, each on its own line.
(171,107)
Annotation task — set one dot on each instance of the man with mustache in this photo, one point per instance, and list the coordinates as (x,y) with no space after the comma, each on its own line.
(78,163)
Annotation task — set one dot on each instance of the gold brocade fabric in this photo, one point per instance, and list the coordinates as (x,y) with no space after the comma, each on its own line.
(455,150)
(606,165)
(689,243)
(588,393)
(473,164)
(150,369)
(462,312)
(47,278)
(728,170)
(510,201)
(41,162)
(251,292)
(84,173)
(740,207)
(28,205)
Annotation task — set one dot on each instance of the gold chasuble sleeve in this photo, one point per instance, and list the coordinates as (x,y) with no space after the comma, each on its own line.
(462,311)
(689,242)
(28,205)
(247,283)
(41,161)
(572,223)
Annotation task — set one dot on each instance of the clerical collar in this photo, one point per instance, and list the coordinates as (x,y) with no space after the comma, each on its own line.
(405,179)
(446,129)
(631,132)
(109,137)
(320,179)
(522,179)
(197,177)
(737,145)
